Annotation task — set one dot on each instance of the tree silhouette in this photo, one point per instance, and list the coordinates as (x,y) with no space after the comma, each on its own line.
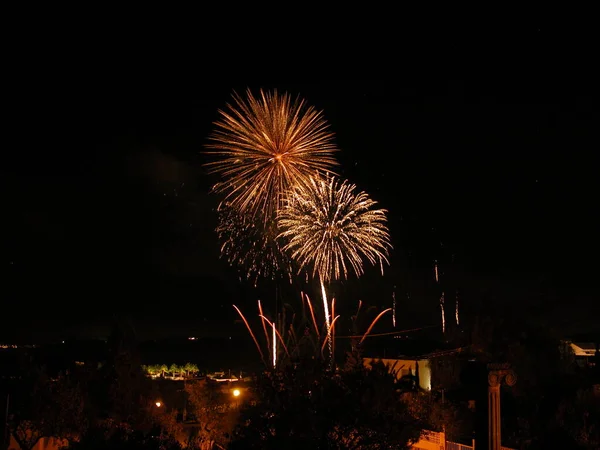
(579,416)
(45,406)
(214,410)
(308,406)
(99,439)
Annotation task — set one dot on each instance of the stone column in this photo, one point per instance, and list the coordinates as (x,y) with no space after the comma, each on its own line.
(498,373)
(493,412)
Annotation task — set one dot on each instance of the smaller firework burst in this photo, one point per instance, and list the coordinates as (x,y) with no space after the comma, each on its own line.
(330,227)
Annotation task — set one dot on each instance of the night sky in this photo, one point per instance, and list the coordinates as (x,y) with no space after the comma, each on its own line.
(107,207)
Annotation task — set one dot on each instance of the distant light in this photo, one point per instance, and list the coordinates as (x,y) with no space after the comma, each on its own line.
(192,338)
(158,404)
(236,392)
(63,342)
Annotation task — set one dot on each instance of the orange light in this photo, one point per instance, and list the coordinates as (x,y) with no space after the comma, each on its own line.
(236,392)
(158,404)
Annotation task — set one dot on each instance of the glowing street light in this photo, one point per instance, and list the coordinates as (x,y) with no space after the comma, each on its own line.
(236,392)
(158,404)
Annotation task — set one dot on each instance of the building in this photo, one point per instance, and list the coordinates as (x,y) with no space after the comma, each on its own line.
(585,354)
(419,368)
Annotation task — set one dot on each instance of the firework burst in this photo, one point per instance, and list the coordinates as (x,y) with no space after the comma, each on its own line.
(266,145)
(332,229)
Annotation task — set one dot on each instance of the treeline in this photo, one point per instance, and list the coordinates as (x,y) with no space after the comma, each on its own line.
(186,370)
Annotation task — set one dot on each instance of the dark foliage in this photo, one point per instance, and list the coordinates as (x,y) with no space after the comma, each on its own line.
(45,406)
(75,403)
(307,406)
(120,439)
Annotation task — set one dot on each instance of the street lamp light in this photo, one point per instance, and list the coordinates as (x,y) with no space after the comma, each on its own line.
(158,404)
(236,392)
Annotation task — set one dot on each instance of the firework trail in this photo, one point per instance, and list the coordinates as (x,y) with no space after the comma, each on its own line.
(456,312)
(437,280)
(327,319)
(358,309)
(443,313)
(271,324)
(265,145)
(332,326)
(394,309)
(262,356)
(373,324)
(274,346)
(261,314)
(275,335)
(312,315)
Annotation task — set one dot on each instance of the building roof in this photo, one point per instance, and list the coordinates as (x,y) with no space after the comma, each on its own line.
(583,348)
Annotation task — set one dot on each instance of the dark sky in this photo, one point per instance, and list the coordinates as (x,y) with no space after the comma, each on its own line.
(107,207)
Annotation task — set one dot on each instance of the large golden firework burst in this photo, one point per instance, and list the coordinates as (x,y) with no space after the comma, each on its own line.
(264,146)
(330,228)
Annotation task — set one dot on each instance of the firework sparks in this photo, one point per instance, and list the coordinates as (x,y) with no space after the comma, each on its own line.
(250,244)
(264,146)
(331,228)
